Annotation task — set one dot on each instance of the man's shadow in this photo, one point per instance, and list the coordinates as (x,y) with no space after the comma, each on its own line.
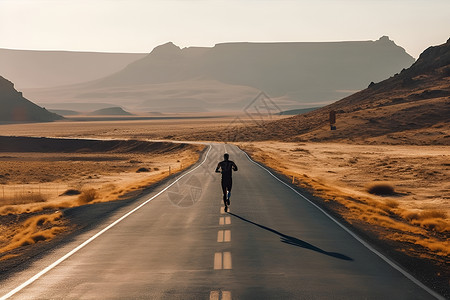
(295,241)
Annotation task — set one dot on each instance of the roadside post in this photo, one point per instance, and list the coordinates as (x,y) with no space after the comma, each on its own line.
(333,120)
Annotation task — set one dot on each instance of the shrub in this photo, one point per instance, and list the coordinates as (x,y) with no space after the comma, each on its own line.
(142,170)
(71,192)
(87,196)
(381,189)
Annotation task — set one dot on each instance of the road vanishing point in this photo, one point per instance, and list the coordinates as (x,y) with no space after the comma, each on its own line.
(178,243)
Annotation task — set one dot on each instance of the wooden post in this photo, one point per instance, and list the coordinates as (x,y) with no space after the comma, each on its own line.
(169,170)
(333,120)
(332,117)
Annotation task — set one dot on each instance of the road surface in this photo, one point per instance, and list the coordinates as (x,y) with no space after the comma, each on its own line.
(178,243)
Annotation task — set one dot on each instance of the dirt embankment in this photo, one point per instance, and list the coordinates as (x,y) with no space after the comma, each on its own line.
(54,145)
(40,177)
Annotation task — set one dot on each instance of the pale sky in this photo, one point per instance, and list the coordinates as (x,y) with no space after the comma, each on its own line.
(141,25)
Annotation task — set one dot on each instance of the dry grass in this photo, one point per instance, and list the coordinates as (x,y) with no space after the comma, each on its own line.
(417,213)
(87,196)
(391,203)
(33,230)
(21,197)
(8,256)
(61,177)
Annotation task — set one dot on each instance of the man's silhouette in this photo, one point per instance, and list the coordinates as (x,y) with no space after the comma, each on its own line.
(227,167)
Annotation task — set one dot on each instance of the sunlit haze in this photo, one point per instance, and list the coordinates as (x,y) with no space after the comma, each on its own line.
(139,26)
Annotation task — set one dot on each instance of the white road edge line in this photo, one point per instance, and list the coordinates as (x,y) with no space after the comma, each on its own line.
(354,235)
(53,265)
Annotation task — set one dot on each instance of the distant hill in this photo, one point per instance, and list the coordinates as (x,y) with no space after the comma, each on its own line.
(38,69)
(412,107)
(110,111)
(76,106)
(15,108)
(228,76)
(64,112)
(297,111)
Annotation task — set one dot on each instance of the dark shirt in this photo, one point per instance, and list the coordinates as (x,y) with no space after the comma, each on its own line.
(227,166)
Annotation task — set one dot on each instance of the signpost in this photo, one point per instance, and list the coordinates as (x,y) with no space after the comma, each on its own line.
(333,120)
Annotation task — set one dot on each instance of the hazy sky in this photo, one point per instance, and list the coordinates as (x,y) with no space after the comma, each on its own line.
(140,25)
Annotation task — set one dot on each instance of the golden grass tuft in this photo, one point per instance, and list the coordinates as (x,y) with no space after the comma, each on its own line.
(434,220)
(433,214)
(438,225)
(439,247)
(391,203)
(87,196)
(423,215)
(8,256)
(35,229)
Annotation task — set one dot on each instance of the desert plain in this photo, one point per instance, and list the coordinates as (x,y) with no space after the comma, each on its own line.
(42,177)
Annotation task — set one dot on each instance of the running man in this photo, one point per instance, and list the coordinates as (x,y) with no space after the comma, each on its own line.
(227,166)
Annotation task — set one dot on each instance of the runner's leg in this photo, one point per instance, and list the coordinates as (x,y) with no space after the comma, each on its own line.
(224,191)
(229,186)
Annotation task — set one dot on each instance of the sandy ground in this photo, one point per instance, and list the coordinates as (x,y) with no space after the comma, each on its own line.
(420,174)
(135,129)
(34,186)
(44,177)
(418,211)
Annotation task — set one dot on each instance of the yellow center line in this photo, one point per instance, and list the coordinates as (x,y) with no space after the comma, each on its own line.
(224,221)
(218,261)
(222,210)
(222,261)
(227,236)
(220,236)
(224,236)
(226,295)
(227,261)
(215,295)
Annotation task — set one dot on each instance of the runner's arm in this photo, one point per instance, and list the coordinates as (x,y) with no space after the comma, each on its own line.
(217,168)
(235,168)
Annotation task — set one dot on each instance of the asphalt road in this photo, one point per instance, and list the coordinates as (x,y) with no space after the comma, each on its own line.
(273,244)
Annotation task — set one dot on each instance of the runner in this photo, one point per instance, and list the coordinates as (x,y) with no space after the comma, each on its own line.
(227,166)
